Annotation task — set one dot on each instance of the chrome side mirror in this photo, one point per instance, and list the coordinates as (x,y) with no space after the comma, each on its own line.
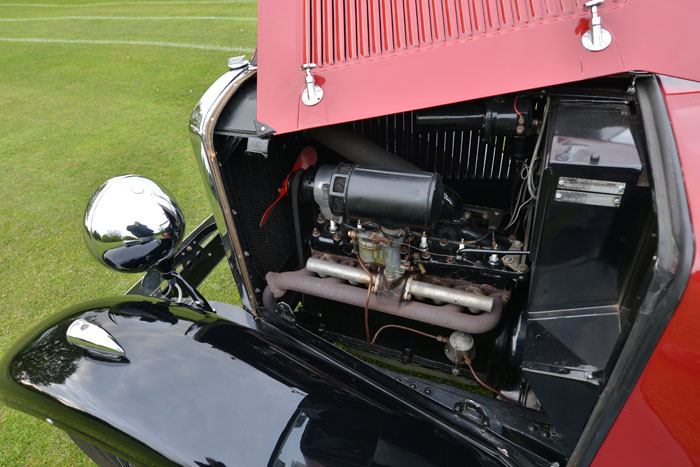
(132,223)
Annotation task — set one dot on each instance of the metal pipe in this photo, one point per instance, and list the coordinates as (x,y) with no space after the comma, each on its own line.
(494,252)
(341,271)
(445,294)
(413,287)
(449,316)
(269,301)
(357,148)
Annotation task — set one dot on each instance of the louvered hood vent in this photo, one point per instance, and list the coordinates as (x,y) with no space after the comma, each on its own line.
(341,31)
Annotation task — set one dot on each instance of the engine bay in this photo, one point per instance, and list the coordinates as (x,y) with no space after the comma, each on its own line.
(500,246)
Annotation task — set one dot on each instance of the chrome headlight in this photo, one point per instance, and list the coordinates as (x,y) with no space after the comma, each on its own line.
(132,223)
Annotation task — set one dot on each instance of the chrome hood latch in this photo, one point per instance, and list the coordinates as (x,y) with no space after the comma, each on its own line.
(313,93)
(597,38)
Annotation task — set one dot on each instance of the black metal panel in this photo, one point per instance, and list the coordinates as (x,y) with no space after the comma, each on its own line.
(592,211)
(238,117)
(568,403)
(196,257)
(196,388)
(583,252)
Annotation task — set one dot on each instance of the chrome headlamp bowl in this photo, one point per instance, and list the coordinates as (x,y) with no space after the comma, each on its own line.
(132,223)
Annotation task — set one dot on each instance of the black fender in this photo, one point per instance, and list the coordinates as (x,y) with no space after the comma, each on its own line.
(196,388)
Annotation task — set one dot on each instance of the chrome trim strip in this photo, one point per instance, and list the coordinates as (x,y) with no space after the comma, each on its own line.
(94,339)
(202,124)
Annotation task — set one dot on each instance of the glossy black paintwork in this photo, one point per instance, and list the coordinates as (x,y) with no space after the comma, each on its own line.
(196,388)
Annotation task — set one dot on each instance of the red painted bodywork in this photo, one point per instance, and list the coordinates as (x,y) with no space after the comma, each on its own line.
(660,422)
(385,56)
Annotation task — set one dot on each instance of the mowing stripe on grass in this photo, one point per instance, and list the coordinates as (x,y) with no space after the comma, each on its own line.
(168,2)
(117,42)
(135,18)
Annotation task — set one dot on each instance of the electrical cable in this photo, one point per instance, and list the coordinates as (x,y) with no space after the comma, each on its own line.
(179,293)
(406,328)
(519,202)
(530,181)
(515,106)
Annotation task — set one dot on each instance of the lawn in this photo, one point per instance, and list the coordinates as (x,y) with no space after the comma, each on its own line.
(89,91)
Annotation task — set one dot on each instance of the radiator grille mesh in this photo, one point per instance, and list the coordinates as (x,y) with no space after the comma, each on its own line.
(456,155)
(252,184)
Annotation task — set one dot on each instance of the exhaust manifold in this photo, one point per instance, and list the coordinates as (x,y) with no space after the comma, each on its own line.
(394,301)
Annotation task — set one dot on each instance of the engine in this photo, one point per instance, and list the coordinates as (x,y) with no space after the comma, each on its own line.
(498,245)
(406,247)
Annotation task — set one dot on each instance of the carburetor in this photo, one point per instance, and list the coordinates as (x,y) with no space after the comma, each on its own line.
(381,247)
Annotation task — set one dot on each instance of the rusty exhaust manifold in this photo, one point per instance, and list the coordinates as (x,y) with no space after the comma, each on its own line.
(450,316)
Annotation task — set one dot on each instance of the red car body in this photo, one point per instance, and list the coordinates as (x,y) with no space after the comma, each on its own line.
(473,49)
(413,58)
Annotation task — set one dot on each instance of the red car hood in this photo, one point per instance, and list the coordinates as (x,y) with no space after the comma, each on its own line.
(378,57)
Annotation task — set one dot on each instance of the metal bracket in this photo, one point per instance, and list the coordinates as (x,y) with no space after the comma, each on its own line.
(597,38)
(313,93)
(285,312)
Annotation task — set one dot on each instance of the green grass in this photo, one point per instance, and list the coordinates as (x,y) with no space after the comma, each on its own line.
(72,116)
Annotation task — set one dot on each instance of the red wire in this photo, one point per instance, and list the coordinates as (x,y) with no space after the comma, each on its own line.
(515,106)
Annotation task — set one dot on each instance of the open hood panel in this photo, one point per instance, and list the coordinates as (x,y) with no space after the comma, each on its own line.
(377,57)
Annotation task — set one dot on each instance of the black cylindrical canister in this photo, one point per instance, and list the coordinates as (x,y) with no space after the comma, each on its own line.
(389,197)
